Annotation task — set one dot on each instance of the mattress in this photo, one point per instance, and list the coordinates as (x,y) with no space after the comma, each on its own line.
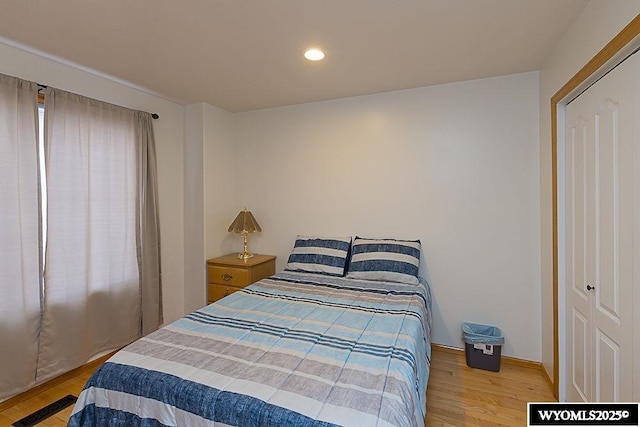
(294,349)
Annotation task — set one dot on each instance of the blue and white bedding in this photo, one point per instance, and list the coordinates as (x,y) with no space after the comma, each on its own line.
(296,349)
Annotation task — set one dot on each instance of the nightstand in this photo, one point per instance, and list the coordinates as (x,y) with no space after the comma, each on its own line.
(228,274)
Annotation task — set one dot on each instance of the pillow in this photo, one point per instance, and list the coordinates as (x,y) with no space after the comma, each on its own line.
(387,260)
(324,255)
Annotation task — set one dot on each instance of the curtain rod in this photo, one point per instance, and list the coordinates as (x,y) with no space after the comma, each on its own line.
(154,116)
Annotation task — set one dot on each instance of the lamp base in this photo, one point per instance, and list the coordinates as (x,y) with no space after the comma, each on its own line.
(245,255)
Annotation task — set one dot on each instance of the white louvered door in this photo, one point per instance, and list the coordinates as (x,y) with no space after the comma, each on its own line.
(600,229)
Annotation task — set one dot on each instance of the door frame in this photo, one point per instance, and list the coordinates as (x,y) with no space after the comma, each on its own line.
(598,66)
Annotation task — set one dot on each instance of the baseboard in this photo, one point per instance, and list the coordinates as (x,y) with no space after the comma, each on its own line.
(503,359)
(547,377)
(12,401)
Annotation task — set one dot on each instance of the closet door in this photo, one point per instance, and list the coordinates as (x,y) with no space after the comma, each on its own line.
(599,237)
(579,251)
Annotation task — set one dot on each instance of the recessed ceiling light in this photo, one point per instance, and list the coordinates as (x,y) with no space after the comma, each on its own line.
(314,54)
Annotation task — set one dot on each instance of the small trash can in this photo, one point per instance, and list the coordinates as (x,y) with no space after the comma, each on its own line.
(483,346)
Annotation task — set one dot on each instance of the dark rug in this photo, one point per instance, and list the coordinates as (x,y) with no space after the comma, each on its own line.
(46,412)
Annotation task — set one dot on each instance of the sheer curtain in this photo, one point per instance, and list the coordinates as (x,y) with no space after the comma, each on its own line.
(19,235)
(96,233)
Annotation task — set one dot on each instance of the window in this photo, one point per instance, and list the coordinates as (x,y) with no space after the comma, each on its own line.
(87,209)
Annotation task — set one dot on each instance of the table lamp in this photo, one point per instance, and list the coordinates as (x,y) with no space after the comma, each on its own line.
(244,224)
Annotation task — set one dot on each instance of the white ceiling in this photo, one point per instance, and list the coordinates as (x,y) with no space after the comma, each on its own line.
(242,55)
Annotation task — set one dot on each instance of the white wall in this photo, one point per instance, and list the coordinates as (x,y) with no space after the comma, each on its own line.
(194,238)
(220,177)
(599,22)
(454,165)
(169,140)
(209,185)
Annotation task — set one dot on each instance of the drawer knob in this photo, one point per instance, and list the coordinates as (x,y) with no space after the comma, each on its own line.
(226,277)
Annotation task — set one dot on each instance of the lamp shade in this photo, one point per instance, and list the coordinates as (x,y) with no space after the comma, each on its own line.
(245,222)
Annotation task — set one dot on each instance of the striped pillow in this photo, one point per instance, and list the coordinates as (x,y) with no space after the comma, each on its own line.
(324,255)
(387,260)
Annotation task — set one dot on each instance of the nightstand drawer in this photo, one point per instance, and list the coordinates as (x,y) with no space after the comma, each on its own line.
(217,292)
(225,275)
(228,273)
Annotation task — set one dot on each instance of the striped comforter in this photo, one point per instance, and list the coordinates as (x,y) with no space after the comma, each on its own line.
(295,349)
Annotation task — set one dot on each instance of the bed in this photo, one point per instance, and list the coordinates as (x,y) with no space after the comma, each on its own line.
(295,349)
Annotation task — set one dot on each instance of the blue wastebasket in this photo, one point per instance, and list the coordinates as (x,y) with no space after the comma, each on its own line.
(483,346)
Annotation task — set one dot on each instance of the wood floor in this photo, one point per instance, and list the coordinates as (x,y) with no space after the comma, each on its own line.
(461,396)
(456,396)
(20,410)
